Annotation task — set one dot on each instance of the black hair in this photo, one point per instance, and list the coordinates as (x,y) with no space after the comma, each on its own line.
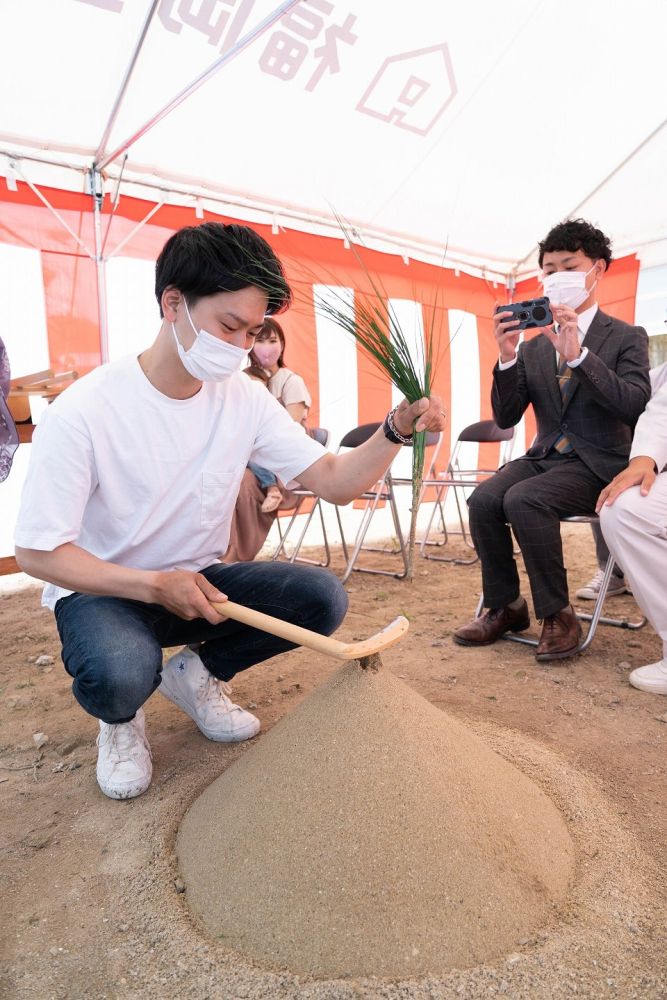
(271,326)
(214,257)
(577,234)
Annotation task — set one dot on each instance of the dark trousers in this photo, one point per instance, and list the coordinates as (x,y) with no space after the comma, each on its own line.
(531,495)
(112,647)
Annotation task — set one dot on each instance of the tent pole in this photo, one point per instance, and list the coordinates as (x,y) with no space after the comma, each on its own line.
(97,193)
(226,57)
(511,285)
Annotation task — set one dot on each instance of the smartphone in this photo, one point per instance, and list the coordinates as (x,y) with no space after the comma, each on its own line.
(533,312)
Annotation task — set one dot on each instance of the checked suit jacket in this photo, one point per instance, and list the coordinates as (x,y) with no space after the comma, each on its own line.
(612,387)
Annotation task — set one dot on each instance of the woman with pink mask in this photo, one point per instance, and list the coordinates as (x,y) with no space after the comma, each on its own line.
(287,387)
(260,494)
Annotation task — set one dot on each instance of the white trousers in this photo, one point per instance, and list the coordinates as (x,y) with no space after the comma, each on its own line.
(635,529)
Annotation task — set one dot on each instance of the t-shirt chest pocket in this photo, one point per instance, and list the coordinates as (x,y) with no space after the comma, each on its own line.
(219,491)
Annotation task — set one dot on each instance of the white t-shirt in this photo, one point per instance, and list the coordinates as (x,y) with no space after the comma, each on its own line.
(143,480)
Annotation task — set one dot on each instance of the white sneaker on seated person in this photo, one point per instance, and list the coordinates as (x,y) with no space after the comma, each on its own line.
(591,590)
(652,677)
(187,683)
(124,767)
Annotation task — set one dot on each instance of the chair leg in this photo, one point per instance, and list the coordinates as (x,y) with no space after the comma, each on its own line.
(399,535)
(343,542)
(390,499)
(359,538)
(295,557)
(463,533)
(369,510)
(595,618)
(437,506)
(283,535)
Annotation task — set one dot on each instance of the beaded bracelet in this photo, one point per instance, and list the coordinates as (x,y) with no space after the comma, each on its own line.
(390,431)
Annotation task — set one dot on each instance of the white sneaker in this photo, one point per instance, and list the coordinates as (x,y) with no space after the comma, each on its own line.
(124,767)
(591,591)
(187,682)
(651,678)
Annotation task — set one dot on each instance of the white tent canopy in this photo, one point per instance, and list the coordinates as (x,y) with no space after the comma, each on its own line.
(455,133)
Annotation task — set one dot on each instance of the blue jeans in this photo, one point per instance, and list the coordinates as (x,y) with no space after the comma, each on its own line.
(112,647)
(264,477)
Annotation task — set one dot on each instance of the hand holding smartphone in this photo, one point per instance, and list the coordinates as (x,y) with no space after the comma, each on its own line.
(528,314)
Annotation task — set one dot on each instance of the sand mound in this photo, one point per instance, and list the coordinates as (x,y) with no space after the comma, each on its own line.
(369,833)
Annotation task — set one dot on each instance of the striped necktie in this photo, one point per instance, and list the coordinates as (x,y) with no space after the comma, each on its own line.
(566,384)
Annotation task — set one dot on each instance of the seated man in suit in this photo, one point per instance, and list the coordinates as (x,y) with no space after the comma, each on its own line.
(587,380)
(633,515)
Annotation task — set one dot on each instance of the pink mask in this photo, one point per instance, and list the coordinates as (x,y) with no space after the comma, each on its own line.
(267,354)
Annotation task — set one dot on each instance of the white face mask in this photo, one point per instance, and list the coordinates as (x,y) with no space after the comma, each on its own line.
(209,359)
(567,288)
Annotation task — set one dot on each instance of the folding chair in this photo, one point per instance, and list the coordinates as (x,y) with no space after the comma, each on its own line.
(596,617)
(433,444)
(381,494)
(457,478)
(303,495)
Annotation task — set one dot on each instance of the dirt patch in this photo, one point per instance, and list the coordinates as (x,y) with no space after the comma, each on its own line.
(90,887)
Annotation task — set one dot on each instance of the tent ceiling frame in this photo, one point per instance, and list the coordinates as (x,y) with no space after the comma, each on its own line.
(94,174)
(44,146)
(603,183)
(101,148)
(183,94)
(400,242)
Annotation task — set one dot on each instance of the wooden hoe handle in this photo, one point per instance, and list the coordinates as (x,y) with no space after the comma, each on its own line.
(313,640)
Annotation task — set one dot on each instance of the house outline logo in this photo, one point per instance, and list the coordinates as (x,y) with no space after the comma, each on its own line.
(416,100)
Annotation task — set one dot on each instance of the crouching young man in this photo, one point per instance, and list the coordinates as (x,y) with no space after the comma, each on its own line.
(130,492)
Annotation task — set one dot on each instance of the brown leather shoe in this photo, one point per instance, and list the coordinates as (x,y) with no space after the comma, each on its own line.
(492,624)
(561,636)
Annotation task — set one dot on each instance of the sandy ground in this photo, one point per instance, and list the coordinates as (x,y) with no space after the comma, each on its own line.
(92,899)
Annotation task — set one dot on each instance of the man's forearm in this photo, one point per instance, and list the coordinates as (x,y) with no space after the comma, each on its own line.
(74,568)
(650,437)
(342,478)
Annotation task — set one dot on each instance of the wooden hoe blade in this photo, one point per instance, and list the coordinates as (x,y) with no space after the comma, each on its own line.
(313,640)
